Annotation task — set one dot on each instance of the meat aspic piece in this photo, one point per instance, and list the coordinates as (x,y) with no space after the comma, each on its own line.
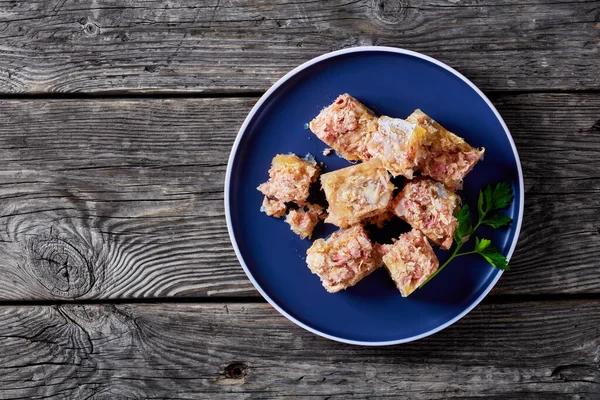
(409,261)
(343,259)
(290,178)
(357,192)
(444,156)
(346,126)
(396,143)
(303,220)
(273,208)
(429,207)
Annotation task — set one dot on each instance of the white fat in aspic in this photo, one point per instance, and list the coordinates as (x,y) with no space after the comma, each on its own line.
(388,124)
(372,192)
(442,190)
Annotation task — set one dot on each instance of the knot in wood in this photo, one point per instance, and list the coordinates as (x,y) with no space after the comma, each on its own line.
(91,29)
(60,267)
(390,11)
(236,370)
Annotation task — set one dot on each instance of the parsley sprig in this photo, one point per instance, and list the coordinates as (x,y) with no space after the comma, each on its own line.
(492,198)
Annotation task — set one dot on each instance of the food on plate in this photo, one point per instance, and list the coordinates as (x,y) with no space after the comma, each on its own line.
(289,178)
(491,199)
(433,159)
(444,156)
(343,259)
(396,143)
(303,220)
(273,208)
(409,261)
(429,207)
(346,126)
(289,181)
(357,192)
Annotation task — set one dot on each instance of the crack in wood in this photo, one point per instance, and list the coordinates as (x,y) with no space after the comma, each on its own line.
(89,348)
(584,373)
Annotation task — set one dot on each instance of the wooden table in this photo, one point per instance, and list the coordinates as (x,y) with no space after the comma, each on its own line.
(117,277)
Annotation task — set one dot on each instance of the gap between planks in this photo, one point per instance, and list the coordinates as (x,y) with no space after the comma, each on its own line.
(118,95)
(490,299)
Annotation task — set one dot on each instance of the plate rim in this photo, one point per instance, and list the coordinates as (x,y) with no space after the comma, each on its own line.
(268,94)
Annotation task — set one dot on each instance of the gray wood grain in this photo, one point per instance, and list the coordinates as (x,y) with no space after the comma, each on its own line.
(105,199)
(557,137)
(225,46)
(530,350)
(116,199)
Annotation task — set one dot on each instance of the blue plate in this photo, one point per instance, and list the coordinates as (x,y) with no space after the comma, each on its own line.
(391,82)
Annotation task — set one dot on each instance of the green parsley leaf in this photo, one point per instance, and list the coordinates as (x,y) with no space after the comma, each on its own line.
(485,248)
(481,244)
(490,198)
(465,227)
(497,221)
(497,260)
(494,198)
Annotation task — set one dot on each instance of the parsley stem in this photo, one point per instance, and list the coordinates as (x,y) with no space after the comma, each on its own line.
(490,199)
(455,253)
(466,253)
(452,256)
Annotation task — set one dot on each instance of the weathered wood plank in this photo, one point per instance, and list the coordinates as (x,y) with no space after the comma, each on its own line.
(558,138)
(225,46)
(116,198)
(123,199)
(531,350)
